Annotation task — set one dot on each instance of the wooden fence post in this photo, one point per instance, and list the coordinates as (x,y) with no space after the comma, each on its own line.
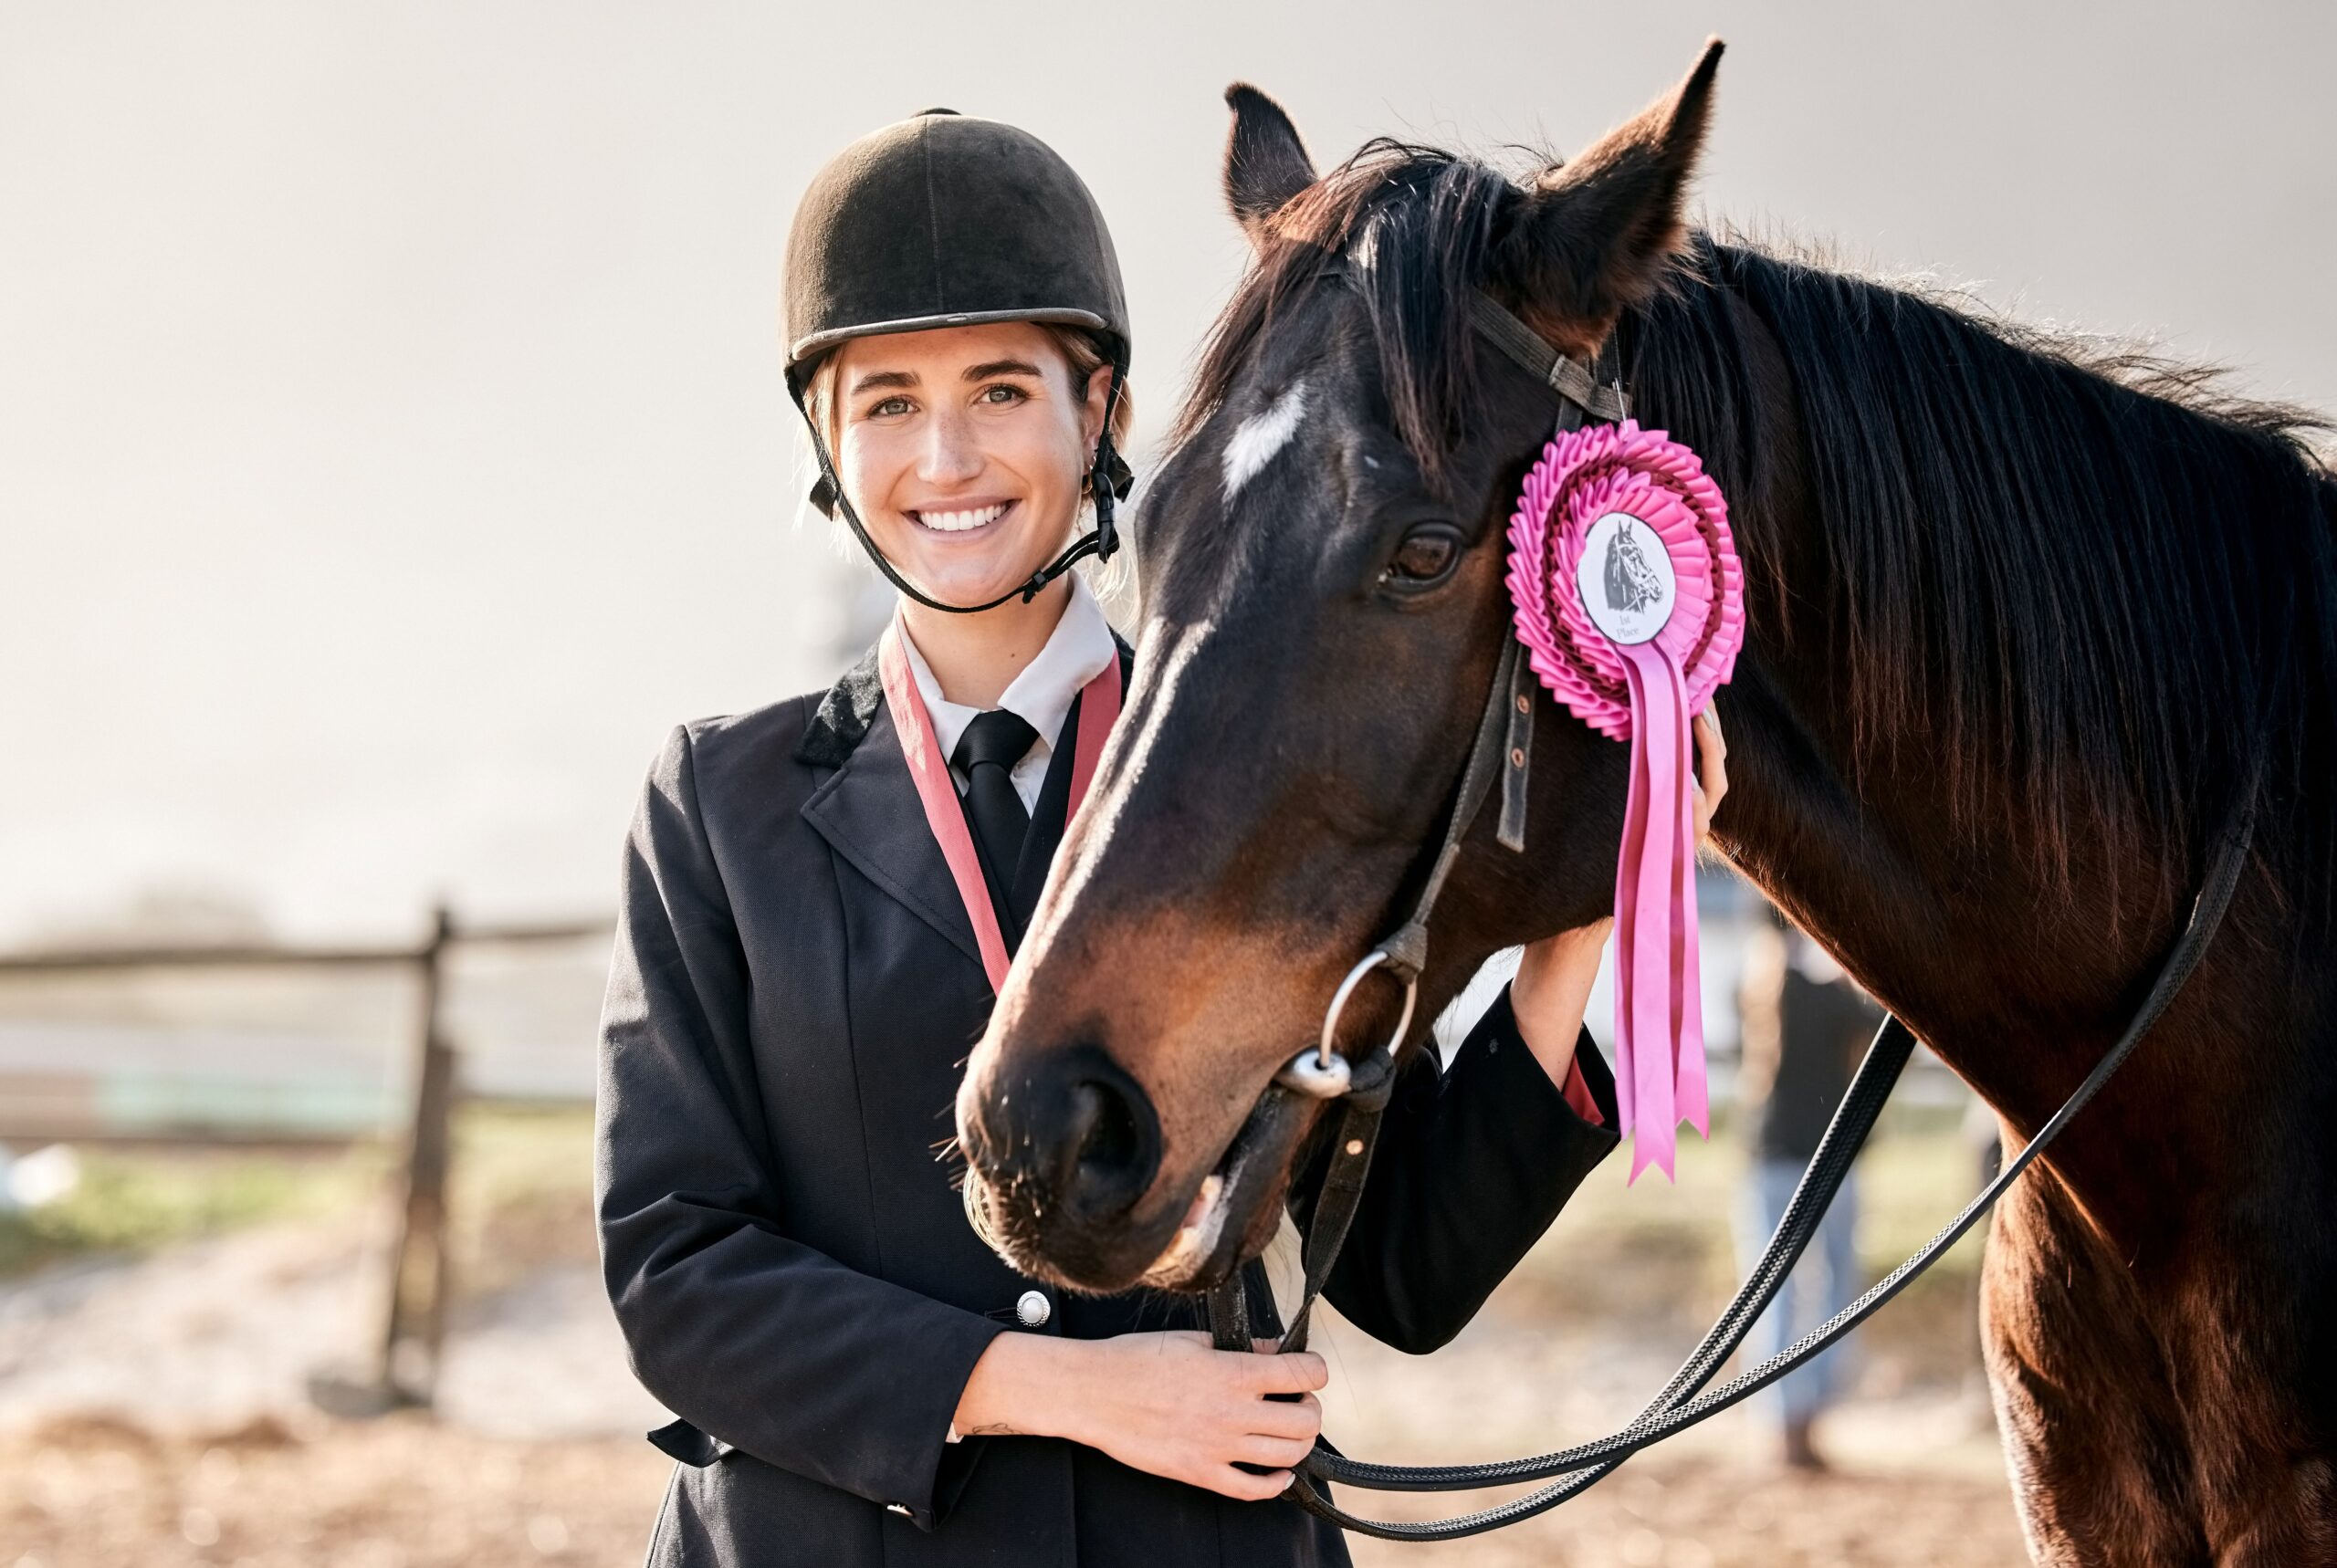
(414,1329)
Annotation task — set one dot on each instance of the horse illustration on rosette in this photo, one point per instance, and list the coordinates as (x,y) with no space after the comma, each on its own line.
(2025,619)
(1631,582)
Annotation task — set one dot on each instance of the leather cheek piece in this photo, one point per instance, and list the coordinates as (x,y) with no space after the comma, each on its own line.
(1122,479)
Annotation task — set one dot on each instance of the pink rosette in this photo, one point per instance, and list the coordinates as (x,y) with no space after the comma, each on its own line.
(1643,692)
(1584,474)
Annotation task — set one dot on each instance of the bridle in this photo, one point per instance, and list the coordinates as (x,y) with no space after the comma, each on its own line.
(1501,749)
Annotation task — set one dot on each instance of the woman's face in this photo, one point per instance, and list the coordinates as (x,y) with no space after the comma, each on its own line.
(963,449)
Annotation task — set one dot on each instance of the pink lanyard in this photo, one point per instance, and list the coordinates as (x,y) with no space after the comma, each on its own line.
(1099,706)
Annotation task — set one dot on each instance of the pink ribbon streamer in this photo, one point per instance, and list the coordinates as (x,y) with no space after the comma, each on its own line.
(1644,693)
(1658,1008)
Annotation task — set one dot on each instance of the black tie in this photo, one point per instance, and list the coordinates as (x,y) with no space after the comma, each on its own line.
(993,742)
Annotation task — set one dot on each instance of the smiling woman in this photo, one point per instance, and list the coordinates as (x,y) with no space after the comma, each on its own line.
(822,902)
(965,449)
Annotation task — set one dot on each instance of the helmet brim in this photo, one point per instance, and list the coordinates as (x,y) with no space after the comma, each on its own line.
(799,354)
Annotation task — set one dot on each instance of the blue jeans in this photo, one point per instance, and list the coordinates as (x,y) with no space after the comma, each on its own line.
(1822,1284)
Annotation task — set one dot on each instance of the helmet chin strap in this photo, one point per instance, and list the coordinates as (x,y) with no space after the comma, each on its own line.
(1108,481)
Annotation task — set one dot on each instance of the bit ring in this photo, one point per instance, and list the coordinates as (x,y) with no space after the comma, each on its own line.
(1322,1073)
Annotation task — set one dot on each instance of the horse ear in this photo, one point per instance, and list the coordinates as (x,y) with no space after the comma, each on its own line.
(1594,236)
(1266,163)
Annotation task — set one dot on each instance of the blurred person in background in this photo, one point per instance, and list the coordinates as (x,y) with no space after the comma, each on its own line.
(817,897)
(1805,1024)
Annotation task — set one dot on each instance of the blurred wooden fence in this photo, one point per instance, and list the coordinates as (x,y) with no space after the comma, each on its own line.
(65,1100)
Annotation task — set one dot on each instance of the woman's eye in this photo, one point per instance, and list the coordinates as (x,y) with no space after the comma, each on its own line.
(1002,392)
(889,407)
(1426,556)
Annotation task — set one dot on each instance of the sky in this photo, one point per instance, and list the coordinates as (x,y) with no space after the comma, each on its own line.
(392,442)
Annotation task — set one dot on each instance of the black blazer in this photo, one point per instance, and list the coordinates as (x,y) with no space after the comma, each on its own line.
(794,991)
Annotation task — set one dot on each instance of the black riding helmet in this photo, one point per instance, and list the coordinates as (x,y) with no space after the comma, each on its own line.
(944,220)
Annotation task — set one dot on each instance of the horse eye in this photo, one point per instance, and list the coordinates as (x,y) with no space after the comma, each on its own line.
(1427,556)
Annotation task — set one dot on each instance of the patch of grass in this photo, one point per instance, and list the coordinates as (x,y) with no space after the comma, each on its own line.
(503,1151)
(522,1193)
(132,1201)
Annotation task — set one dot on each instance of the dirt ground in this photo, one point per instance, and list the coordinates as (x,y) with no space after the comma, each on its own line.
(407,1492)
(154,1409)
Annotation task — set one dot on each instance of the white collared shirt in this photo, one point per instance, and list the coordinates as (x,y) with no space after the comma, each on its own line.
(1079,649)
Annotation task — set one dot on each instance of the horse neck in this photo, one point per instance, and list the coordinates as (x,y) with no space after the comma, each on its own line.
(1957,935)
(2018,988)
(2018,975)
(2016,941)
(1848,831)
(2011,971)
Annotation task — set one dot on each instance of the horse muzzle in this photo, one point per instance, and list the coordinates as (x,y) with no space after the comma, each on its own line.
(1063,1179)
(1060,1156)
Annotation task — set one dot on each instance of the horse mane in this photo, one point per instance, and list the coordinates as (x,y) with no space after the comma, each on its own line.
(2072,571)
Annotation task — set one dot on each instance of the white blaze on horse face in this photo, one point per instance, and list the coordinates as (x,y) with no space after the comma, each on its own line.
(1261,435)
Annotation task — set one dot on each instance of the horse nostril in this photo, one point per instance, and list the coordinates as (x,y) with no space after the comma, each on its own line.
(1111,1144)
(1107,1136)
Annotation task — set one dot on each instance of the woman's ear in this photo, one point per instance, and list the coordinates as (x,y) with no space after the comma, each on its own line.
(1091,411)
(1594,236)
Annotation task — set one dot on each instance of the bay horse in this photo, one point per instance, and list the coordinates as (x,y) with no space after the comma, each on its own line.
(2018,605)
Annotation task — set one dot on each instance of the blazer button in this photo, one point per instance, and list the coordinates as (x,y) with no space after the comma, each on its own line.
(1033,1309)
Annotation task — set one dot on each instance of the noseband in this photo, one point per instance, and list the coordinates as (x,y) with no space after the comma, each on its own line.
(1501,748)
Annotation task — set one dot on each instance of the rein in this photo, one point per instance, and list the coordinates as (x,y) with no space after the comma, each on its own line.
(1502,746)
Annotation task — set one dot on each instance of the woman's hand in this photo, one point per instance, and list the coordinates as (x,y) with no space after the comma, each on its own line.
(1166,1402)
(1554,975)
(1711,783)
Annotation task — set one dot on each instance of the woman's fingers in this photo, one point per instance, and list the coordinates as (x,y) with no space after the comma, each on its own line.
(1275,1453)
(1247,1487)
(1300,1372)
(1711,768)
(1298,1418)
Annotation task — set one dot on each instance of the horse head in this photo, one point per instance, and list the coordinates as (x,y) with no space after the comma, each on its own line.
(1322,561)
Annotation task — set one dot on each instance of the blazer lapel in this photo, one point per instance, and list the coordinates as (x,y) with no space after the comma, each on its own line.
(871,814)
(869,810)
